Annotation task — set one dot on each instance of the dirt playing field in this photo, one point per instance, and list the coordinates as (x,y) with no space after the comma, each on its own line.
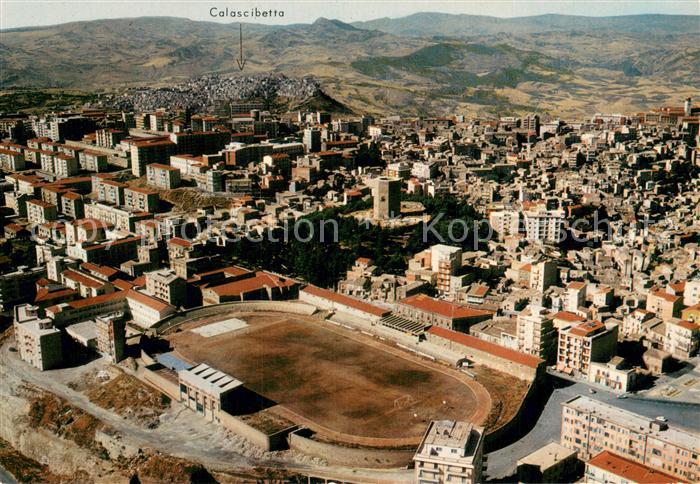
(333,378)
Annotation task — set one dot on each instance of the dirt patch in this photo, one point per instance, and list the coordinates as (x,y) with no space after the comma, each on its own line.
(267,422)
(507,394)
(55,414)
(158,468)
(25,469)
(128,397)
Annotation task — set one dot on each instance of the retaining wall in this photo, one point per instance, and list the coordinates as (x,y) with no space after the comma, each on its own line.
(275,441)
(242,306)
(351,456)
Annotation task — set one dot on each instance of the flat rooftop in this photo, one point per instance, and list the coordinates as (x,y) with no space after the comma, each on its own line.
(635,422)
(545,457)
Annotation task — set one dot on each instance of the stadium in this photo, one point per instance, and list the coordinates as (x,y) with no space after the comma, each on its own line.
(346,387)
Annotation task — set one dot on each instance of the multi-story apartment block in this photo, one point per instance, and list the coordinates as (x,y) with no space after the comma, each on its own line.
(147,151)
(163,176)
(38,342)
(450,452)
(543,275)
(19,286)
(665,305)
(544,226)
(108,138)
(682,338)
(91,160)
(691,293)
(111,191)
(505,222)
(166,285)
(72,205)
(591,427)
(584,343)
(199,143)
(141,199)
(111,337)
(41,212)
(536,333)
(11,160)
(120,218)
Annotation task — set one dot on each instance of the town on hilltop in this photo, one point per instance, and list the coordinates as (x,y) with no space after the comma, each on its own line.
(318,296)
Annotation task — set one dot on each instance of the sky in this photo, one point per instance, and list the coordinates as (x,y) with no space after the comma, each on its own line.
(24,13)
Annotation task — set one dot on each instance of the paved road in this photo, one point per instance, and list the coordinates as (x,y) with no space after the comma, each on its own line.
(501,463)
(186,435)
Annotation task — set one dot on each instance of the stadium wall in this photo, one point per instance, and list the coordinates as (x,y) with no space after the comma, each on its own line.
(351,456)
(242,306)
(275,441)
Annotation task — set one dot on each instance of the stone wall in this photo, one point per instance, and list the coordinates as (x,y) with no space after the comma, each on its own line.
(275,441)
(351,456)
(293,307)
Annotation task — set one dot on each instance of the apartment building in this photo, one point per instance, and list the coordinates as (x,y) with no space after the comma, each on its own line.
(91,160)
(111,191)
(505,222)
(11,160)
(691,293)
(584,343)
(141,199)
(665,305)
(72,205)
(198,143)
(682,338)
(166,285)
(108,138)
(207,391)
(545,226)
(41,212)
(147,151)
(111,337)
(38,342)
(536,333)
(450,452)
(591,427)
(610,468)
(146,310)
(120,218)
(543,275)
(85,284)
(162,176)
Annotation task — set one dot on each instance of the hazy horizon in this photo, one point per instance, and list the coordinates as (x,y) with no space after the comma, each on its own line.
(16,14)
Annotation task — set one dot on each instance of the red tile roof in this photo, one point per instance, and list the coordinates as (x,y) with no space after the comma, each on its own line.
(567,316)
(486,347)
(250,284)
(346,301)
(629,470)
(443,308)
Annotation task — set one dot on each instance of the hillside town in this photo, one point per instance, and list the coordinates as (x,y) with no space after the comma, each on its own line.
(563,254)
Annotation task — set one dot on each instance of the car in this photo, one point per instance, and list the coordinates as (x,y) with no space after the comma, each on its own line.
(590,390)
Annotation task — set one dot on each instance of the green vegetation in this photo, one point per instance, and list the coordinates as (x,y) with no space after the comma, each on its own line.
(321,254)
(35,100)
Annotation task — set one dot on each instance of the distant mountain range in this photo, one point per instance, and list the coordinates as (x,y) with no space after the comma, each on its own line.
(427,63)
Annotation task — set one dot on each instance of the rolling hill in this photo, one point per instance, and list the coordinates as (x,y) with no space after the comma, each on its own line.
(423,64)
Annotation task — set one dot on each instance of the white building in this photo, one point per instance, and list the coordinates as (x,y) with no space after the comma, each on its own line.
(450,452)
